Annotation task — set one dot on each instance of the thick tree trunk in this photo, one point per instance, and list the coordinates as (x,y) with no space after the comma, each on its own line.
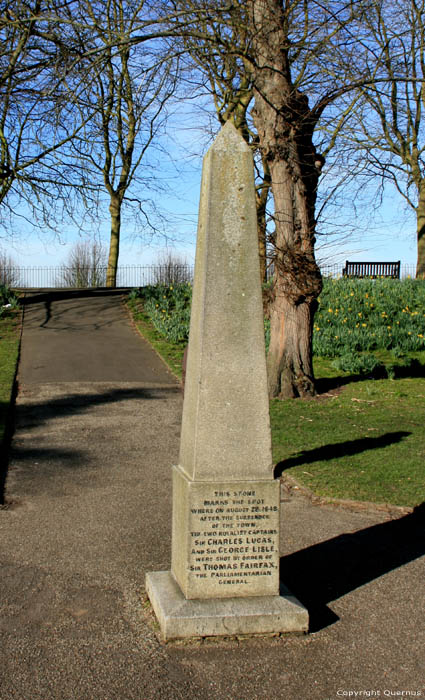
(420,219)
(289,362)
(285,129)
(114,245)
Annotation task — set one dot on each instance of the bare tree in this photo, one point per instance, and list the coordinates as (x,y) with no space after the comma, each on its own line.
(58,62)
(384,136)
(292,58)
(285,126)
(127,90)
(85,266)
(38,112)
(171,268)
(9,273)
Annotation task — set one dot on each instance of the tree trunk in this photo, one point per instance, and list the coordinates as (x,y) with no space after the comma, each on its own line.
(114,245)
(289,361)
(420,219)
(285,128)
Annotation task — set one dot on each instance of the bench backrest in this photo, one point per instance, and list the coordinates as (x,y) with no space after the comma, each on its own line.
(372,269)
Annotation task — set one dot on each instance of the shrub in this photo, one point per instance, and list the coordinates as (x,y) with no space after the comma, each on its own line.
(7,296)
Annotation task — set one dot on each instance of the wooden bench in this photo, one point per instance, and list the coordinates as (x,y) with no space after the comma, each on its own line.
(372,269)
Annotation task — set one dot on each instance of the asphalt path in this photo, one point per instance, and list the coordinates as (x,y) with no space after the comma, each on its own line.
(84,336)
(88,513)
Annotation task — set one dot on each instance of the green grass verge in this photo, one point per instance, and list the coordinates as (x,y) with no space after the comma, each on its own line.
(363,442)
(9,351)
(171,353)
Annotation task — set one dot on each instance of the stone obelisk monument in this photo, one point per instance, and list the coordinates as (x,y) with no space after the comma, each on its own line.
(224,576)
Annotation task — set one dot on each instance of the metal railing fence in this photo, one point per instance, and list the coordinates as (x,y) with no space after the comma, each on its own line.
(67,277)
(127,275)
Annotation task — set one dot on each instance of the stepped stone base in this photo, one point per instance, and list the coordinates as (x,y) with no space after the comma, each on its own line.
(180,618)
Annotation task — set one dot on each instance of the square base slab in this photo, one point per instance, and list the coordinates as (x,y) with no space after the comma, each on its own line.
(180,618)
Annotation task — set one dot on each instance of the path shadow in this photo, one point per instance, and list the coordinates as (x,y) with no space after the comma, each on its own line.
(48,307)
(53,471)
(329,570)
(33,415)
(48,296)
(44,300)
(339,449)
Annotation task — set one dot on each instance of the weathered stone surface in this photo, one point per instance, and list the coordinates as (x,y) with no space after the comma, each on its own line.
(180,618)
(225,537)
(225,426)
(224,577)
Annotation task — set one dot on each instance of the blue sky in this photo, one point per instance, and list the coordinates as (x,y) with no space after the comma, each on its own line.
(388,235)
(388,239)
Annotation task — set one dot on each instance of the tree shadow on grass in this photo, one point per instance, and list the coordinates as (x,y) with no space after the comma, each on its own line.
(326,384)
(329,570)
(412,369)
(339,449)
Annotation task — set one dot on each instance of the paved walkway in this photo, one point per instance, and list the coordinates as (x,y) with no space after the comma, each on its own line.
(98,422)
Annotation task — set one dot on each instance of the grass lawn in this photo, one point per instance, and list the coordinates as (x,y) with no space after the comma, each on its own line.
(364,440)
(172,353)
(9,349)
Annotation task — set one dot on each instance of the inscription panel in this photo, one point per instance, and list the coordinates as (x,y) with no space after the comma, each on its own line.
(232,541)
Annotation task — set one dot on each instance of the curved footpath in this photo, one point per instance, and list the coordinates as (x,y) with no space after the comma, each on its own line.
(89,492)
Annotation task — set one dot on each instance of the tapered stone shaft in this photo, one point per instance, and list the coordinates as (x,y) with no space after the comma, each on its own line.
(223,487)
(224,575)
(225,429)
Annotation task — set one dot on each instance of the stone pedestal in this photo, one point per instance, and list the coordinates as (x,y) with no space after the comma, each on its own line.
(224,575)
(180,618)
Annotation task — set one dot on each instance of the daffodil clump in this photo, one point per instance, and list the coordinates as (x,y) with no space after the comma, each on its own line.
(354,315)
(364,315)
(168,307)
